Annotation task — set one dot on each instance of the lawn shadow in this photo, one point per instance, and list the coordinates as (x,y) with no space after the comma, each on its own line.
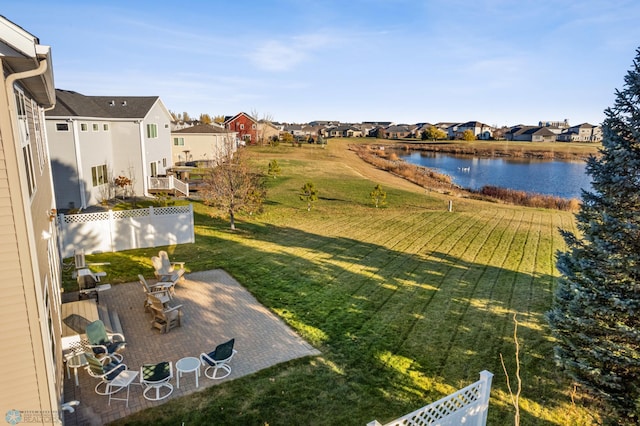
(413,327)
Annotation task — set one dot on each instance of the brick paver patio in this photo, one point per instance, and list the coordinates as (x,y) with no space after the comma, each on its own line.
(215,308)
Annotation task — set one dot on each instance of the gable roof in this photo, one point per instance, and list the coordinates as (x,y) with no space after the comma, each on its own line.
(202,128)
(228,119)
(74,104)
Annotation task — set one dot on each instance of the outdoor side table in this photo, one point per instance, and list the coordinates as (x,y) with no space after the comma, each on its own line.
(75,362)
(188,365)
(123,380)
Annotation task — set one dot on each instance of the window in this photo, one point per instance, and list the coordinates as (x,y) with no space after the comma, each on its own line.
(105,127)
(152,131)
(84,127)
(166,126)
(164,162)
(178,141)
(241,126)
(95,127)
(253,126)
(154,169)
(99,175)
(62,127)
(25,140)
(38,132)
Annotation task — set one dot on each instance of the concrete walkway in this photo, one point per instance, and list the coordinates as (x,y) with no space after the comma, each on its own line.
(215,308)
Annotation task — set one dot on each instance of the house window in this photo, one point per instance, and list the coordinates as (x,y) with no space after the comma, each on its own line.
(105,127)
(253,126)
(62,127)
(164,162)
(178,141)
(166,126)
(38,132)
(96,127)
(152,131)
(154,169)
(25,141)
(241,126)
(84,127)
(99,175)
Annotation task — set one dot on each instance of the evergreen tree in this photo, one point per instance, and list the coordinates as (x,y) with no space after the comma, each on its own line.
(596,312)
(308,193)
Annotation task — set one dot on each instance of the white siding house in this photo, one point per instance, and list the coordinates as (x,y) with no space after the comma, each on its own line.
(95,139)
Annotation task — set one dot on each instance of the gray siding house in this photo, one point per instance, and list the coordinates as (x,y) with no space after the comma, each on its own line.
(95,139)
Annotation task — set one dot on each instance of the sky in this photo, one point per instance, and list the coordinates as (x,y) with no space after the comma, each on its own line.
(501,62)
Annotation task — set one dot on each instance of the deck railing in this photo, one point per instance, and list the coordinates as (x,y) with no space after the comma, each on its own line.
(468,406)
(169,183)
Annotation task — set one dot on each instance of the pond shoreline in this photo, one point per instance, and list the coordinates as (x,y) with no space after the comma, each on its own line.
(379,157)
(501,149)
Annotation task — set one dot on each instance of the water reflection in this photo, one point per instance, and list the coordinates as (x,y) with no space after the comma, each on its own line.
(553,177)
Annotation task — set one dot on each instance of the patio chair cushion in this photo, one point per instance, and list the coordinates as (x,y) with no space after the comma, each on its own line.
(156,372)
(222,351)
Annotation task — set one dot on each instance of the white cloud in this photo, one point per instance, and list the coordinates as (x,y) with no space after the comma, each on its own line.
(276,56)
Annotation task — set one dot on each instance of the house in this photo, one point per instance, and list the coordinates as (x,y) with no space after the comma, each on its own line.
(530,134)
(584,132)
(344,131)
(244,125)
(398,131)
(31,372)
(480,130)
(267,131)
(94,139)
(203,143)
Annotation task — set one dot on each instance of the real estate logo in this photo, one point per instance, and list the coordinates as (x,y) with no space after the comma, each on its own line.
(13,417)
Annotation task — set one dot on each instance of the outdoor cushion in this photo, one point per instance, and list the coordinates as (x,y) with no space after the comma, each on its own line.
(222,351)
(156,372)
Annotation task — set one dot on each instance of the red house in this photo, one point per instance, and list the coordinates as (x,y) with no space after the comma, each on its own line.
(245,125)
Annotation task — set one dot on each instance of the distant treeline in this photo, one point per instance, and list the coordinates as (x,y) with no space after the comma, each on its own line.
(432,180)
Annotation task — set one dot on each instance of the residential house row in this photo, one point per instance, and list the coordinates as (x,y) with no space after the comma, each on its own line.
(547,131)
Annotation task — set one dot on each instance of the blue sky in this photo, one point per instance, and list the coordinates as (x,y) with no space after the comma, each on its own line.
(502,62)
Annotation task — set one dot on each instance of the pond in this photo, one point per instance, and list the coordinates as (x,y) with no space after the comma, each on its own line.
(551,177)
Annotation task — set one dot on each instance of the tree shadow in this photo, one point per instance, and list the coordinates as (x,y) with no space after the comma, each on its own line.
(406,329)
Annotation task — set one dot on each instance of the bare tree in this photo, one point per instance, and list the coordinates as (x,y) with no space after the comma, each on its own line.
(264,122)
(234,186)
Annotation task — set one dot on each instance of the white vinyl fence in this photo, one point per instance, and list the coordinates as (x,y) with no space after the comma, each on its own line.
(112,231)
(468,406)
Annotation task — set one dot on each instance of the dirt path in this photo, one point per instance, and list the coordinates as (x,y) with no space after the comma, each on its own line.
(340,150)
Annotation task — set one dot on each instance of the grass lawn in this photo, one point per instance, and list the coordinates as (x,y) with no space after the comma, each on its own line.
(407,302)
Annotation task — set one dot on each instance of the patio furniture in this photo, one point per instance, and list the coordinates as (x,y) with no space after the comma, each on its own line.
(218,360)
(187,365)
(156,376)
(163,295)
(122,381)
(75,361)
(165,317)
(103,343)
(163,267)
(106,369)
(159,286)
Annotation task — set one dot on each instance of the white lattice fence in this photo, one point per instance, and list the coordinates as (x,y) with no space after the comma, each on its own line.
(126,229)
(468,406)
